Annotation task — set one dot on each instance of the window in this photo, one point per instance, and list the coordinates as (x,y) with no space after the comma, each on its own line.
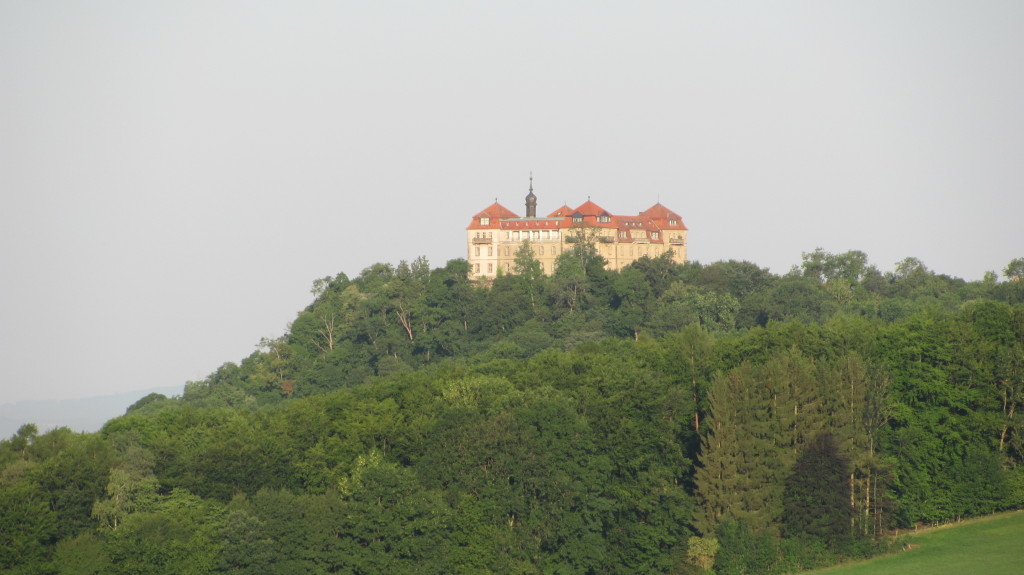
(490,251)
(556,234)
(654,235)
(485,221)
(536,234)
(604,218)
(476,251)
(542,250)
(506,251)
(490,268)
(673,222)
(547,234)
(515,236)
(508,236)
(577,219)
(476,268)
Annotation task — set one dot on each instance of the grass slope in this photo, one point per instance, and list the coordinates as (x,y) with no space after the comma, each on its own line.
(991,545)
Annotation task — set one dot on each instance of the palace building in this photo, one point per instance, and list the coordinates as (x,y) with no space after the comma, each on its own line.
(496,233)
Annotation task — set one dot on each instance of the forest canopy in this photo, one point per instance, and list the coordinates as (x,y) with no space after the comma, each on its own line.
(664,418)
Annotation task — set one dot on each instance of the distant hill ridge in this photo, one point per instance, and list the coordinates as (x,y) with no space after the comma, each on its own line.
(85,414)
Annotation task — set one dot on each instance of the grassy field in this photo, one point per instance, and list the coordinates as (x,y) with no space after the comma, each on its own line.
(989,546)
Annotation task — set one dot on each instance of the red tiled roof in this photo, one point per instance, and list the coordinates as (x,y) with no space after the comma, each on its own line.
(494,211)
(562,212)
(660,216)
(654,219)
(589,208)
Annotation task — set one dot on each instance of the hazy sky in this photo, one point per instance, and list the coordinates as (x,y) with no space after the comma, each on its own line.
(174,175)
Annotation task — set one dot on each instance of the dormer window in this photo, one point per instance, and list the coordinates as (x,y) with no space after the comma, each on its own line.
(654,235)
(604,218)
(485,221)
(673,222)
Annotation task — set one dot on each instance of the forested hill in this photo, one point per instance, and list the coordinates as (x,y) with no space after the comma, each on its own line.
(662,419)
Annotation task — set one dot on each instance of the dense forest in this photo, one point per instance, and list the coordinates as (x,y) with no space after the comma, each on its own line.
(664,418)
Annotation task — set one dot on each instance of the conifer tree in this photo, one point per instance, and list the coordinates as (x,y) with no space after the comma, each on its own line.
(739,470)
(816,504)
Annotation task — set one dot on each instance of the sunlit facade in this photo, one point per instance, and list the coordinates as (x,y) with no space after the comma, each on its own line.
(496,233)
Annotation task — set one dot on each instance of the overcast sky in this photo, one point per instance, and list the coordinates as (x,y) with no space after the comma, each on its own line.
(174,175)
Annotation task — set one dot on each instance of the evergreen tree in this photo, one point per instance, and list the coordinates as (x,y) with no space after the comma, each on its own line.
(740,468)
(816,498)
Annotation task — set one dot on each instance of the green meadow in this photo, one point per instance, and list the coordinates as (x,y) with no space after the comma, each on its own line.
(990,545)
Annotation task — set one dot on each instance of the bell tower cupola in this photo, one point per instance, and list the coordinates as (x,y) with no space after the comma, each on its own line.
(531,201)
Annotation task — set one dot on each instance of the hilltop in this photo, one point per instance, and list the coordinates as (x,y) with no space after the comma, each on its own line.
(658,419)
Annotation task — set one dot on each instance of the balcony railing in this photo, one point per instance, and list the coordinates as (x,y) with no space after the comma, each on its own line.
(676,241)
(483,240)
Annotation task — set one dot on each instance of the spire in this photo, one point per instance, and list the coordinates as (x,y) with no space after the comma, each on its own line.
(531,201)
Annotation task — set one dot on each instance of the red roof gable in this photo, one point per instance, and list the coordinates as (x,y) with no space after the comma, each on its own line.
(562,212)
(495,212)
(591,209)
(662,217)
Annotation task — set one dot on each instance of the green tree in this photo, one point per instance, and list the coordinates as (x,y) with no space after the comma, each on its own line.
(246,550)
(690,360)
(180,534)
(826,267)
(671,312)
(659,272)
(448,305)
(132,487)
(715,312)
(580,278)
(73,477)
(82,555)
(739,473)
(28,527)
(1014,270)
(702,551)
(816,498)
(632,293)
(791,298)
(391,524)
(526,263)
(744,550)
(24,437)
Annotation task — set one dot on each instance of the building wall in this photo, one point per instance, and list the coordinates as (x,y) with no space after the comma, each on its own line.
(488,250)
